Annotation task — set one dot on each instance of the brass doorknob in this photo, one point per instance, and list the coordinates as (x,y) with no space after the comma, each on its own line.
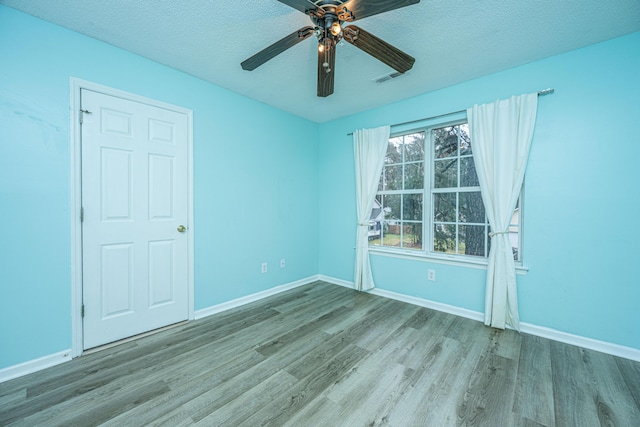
(182,228)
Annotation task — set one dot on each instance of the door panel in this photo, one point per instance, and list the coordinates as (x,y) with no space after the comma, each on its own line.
(161,177)
(134,198)
(116,281)
(116,184)
(161,278)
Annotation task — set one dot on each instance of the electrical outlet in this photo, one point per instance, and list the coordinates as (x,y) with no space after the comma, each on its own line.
(264,267)
(283,263)
(431,275)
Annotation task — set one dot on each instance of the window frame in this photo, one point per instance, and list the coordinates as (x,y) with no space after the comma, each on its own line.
(427,252)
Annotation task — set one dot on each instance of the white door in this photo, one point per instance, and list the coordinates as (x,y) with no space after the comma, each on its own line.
(134,230)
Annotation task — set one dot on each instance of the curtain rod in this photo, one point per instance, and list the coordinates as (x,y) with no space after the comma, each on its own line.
(547,91)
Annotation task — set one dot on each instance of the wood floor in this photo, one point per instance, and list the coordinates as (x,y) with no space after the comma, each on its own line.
(323,355)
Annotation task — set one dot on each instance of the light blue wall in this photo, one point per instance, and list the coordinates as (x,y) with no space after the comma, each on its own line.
(582,204)
(255,179)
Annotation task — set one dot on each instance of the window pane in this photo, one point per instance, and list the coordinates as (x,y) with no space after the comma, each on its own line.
(414,176)
(393,177)
(465,139)
(513,238)
(412,207)
(376,210)
(514,230)
(391,206)
(471,208)
(468,175)
(471,240)
(444,238)
(412,236)
(394,151)
(444,207)
(375,231)
(446,173)
(414,147)
(391,233)
(445,142)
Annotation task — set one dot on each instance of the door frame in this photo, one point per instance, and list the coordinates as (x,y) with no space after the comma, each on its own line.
(75,130)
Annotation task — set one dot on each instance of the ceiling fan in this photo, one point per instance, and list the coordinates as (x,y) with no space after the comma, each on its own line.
(329,18)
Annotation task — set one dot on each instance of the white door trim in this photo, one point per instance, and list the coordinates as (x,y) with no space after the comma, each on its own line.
(76,198)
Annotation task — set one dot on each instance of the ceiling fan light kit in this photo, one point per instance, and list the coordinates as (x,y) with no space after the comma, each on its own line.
(329,18)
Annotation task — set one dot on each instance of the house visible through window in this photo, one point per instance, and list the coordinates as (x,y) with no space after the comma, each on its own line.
(429,200)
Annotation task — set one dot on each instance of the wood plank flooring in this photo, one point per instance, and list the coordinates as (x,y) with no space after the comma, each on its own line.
(323,355)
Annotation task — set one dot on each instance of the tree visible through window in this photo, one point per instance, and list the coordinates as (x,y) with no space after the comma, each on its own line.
(459,220)
(446,198)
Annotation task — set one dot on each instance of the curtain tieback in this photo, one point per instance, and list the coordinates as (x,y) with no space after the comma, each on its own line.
(495,233)
(363,224)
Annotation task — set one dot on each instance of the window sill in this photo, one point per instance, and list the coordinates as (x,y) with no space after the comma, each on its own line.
(441,259)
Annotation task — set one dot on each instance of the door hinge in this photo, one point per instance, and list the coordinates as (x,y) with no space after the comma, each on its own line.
(82,113)
(81,214)
(82,311)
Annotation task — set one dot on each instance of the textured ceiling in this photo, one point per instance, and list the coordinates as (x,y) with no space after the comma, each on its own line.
(452,41)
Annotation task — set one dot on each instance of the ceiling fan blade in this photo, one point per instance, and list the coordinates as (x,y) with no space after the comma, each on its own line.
(363,8)
(378,48)
(326,71)
(276,49)
(301,5)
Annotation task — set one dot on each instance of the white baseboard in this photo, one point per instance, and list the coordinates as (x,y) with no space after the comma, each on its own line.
(335,281)
(527,328)
(205,312)
(438,306)
(580,341)
(31,366)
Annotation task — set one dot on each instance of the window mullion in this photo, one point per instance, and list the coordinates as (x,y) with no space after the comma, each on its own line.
(429,179)
(403,178)
(457,217)
(458,182)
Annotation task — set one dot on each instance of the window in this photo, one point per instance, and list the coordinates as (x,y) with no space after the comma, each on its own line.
(429,200)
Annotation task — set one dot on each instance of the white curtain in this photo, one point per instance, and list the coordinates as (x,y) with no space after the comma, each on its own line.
(501,135)
(370,147)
